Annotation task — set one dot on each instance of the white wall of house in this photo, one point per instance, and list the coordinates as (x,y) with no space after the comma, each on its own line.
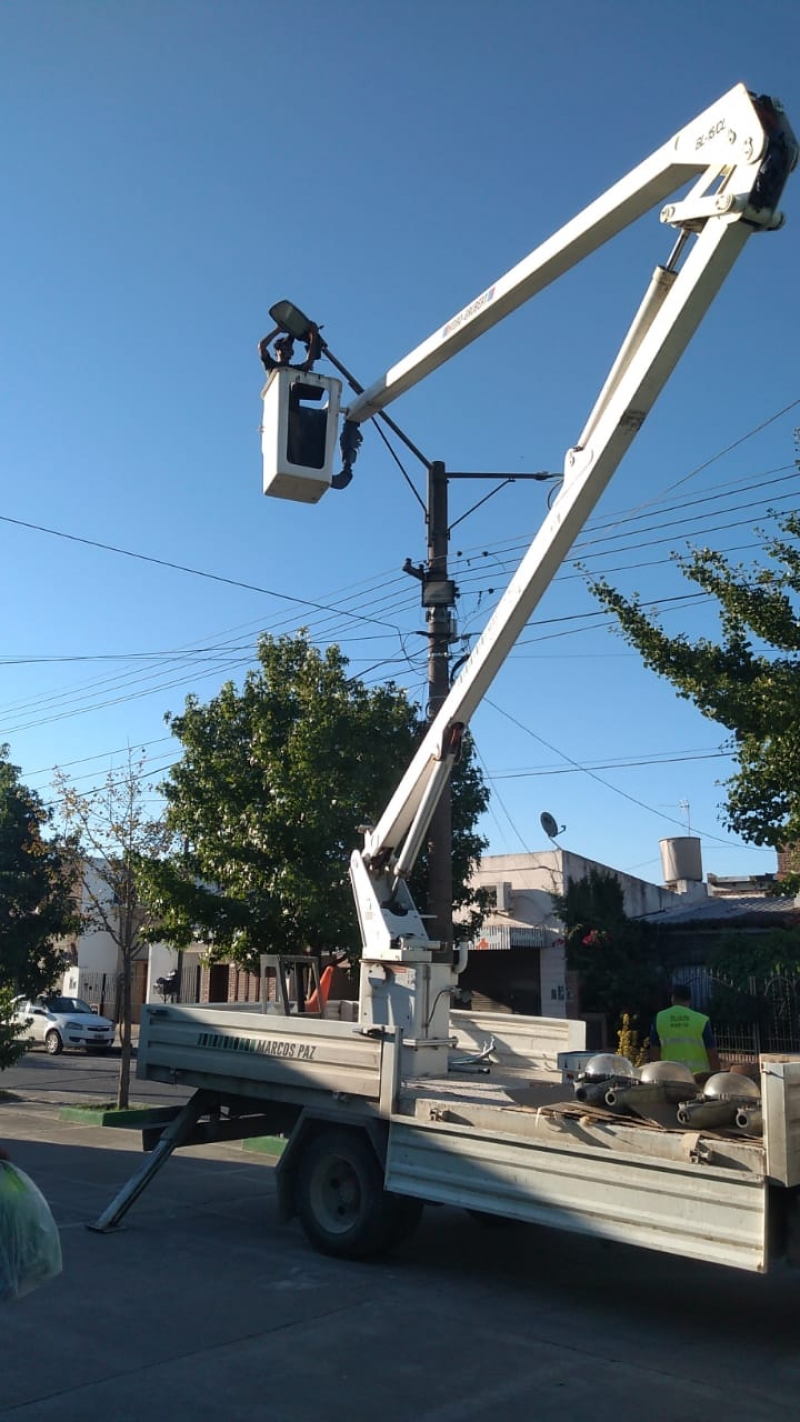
(163,960)
(97,953)
(553,980)
(71,983)
(91,984)
(95,950)
(535,877)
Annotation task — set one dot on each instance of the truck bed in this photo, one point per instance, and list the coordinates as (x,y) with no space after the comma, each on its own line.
(513,1142)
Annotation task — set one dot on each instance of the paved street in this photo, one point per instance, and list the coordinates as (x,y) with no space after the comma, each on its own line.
(74,1077)
(206,1307)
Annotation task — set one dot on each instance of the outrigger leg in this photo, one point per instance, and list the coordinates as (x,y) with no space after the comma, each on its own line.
(175,1135)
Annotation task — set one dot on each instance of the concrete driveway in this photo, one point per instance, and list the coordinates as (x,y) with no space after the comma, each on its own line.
(205,1307)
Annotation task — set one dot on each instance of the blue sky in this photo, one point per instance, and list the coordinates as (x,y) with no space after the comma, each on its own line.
(171,170)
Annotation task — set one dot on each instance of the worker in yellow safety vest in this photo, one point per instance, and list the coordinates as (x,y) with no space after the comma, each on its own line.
(679,1034)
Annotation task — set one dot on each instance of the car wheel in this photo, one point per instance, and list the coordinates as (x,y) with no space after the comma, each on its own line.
(53,1042)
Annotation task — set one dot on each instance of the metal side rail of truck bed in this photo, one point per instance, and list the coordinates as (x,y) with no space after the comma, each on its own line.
(242,1051)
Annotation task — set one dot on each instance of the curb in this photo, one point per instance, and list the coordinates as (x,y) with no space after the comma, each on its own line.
(132,1117)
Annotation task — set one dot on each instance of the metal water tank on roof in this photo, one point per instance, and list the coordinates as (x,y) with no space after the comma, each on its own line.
(681,858)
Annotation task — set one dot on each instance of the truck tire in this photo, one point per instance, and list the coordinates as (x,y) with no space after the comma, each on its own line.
(340,1199)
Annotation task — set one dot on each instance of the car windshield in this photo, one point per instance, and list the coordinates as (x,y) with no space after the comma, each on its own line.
(68,1004)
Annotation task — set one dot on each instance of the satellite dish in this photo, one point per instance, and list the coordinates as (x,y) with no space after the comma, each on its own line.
(550,826)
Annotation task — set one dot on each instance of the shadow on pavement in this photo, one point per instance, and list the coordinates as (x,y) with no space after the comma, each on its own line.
(205,1306)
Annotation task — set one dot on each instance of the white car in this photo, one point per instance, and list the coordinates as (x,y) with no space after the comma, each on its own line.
(60,1022)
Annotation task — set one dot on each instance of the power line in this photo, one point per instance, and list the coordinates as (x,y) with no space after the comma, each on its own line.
(583,553)
(757,429)
(181,568)
(100,755)
(332,613)
(627,764)
(594,776)
(744,485)
(495,795)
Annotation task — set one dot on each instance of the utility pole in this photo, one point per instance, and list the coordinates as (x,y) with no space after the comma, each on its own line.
(438,597)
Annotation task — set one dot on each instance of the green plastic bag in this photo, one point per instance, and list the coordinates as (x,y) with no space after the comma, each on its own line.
(30,1246)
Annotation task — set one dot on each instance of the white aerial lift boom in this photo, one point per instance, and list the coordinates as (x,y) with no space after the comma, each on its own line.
(739,152)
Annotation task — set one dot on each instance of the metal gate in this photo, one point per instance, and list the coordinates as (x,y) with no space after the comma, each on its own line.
(781,1010)
(750,1017)
(101,991)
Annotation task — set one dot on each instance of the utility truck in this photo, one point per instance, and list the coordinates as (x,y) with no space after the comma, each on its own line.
(410,1102)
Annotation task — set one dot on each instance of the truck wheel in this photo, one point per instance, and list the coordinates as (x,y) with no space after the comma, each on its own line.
(53,1042)
(343,1207)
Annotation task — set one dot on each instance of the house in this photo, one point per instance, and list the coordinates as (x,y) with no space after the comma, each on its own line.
(192,973)
(518,963)
(201,981)
(751,1014)
(95,961)
(94,969)
(690,930)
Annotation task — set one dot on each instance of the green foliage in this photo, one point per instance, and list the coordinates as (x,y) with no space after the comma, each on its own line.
(741,956)
(11,1045)
(274,781)
(37,908)
(614,955)
(469,798)
(749,682)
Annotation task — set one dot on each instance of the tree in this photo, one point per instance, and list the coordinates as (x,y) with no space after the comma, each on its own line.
(116,839)
(756,978)
(37,902)
(267,800)
(749,682)
(12,1047)
(740,957)
(614,955)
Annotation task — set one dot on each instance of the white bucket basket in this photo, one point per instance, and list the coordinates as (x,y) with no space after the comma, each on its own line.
(298,433)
